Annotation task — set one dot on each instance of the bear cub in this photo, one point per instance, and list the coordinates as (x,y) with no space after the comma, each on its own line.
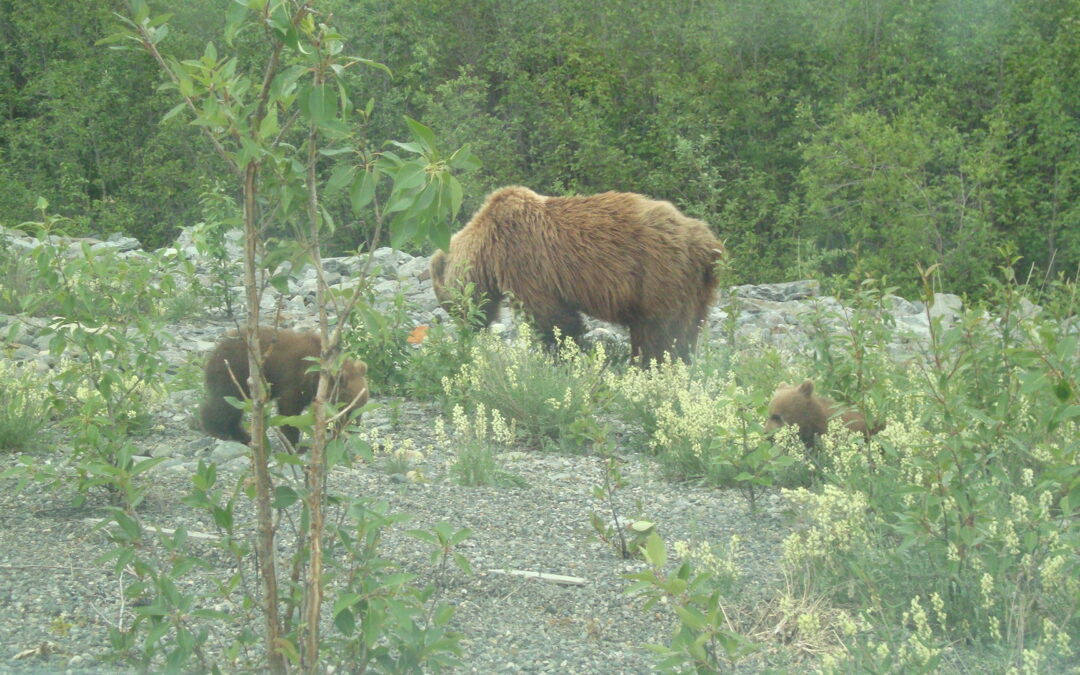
(285,367)
(799,406)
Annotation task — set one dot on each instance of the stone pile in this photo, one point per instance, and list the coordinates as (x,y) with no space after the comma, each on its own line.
(770,314)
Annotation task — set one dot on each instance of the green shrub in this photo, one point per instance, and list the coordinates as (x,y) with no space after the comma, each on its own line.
(25,405)
(474,441)
(707,638)
(964,508)
(381,338)
(18,280)
(108,341)
(440,350)
(552,400)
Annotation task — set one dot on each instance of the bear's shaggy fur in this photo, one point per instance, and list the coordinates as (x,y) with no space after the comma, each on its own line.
(616,256)
(285,367)
(799,406)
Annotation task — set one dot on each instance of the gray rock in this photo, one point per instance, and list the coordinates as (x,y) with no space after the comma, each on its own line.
(916,324)
(413,268)
(226,451)
(1028,309)
(946,306)
(783,292)
(899,306)
(23,353)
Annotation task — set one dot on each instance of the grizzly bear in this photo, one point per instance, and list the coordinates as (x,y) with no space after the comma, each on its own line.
(799,406)
(286,367)
(616,256)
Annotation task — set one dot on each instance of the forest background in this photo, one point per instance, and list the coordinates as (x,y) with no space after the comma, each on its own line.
(817,137)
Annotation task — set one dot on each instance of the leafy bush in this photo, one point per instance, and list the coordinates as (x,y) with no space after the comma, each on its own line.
(474,441)
(381,619)
(552,400)
(380,336)
(211,236)
(25,405)
(107,339)
(956,524)
(966,502)
(18,280)
(705,640)
(701,424)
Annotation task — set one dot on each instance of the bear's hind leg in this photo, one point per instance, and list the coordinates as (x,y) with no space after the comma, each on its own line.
(221,420)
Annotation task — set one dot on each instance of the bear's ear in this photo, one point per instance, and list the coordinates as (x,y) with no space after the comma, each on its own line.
(807,388)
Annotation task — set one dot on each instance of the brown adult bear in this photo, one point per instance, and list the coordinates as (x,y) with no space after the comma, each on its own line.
(799,406)
(285,367)
(616,256)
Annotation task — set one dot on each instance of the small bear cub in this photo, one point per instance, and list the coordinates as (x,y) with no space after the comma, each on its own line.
(285,366)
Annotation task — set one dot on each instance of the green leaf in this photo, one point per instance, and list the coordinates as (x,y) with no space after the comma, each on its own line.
(223,518)
(403,230)
(456,196)
(342,175)
(374,64)
(464,159)
(346,601)
(304,419)
(235,17)
(345,622)
(411,175)
(397,580)
(284,497)
(440,235)
(400,201)
(284,83)
(269,126)
(655,551)
(127,524)
(158,34)
(460,536)
(421,203)
(327,219)
(691,617)
(421,134)
(463,563)
(362,192)
(423,535)
(147,464)
(322,103)
(414,148)
(280,283)
(333,152)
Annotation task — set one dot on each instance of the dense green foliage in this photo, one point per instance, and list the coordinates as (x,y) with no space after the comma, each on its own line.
(816,136)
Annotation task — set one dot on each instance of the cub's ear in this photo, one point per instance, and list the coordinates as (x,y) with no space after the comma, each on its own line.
(806,388)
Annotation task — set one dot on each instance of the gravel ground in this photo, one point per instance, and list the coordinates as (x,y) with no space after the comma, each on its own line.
(57,602)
